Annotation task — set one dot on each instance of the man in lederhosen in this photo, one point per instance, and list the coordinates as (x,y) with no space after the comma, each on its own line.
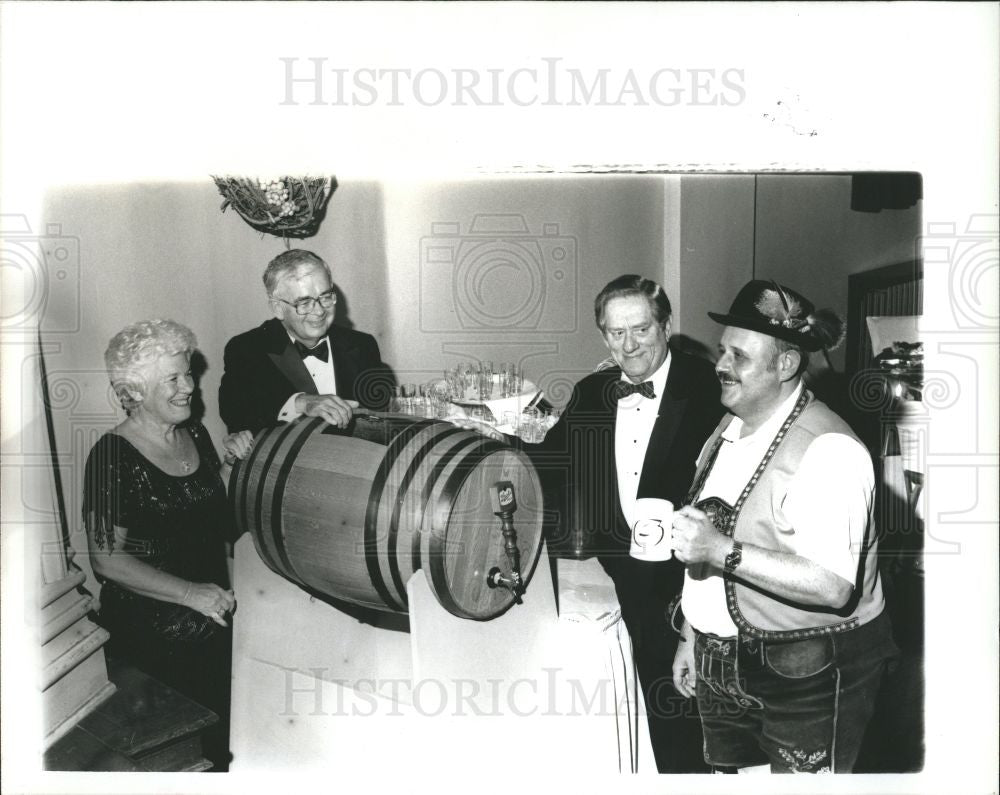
(784,635)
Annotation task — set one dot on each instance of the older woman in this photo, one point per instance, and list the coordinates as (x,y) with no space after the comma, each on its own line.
(157,520)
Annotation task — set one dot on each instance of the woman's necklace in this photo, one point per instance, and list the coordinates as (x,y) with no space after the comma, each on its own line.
(171,449)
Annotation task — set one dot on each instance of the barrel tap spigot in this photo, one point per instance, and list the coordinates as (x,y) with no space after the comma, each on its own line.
(504,505)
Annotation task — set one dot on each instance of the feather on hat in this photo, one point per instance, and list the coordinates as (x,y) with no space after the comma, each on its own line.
(778,311)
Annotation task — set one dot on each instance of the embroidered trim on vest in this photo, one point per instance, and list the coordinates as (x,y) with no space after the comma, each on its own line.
(729,528)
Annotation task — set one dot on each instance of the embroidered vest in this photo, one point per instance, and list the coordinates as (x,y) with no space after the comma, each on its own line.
(757,518)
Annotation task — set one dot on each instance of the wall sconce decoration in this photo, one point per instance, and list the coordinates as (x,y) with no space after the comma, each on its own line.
(281,206)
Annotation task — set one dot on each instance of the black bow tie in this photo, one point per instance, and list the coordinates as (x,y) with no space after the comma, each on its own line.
(626,388)
(321,351)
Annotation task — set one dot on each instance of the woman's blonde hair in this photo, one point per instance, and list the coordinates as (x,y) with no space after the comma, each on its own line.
(137,346)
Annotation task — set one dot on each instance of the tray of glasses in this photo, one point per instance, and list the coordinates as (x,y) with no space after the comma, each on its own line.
(471,395)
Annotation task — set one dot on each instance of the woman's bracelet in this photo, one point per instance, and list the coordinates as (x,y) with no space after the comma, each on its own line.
(187,593)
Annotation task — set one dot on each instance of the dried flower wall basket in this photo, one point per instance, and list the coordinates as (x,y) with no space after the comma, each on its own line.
(280,206)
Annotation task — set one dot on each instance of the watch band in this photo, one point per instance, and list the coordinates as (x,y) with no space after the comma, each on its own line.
(734,558)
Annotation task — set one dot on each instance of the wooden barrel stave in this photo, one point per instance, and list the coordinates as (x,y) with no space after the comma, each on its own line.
(262,476)
(413,451)
(380,505)
(404,499)
(279,467)
(327,540)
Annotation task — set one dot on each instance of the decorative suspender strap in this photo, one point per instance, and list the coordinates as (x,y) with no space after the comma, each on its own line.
(772,448)
(734,610)
(695,492)
(745,627)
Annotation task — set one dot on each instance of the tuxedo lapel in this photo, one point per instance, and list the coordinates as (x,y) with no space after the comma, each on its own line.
(604,406)
(673,403)
(345,364)
(660,442)
(283,355)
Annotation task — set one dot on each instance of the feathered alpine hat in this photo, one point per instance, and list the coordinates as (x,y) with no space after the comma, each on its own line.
(778,311)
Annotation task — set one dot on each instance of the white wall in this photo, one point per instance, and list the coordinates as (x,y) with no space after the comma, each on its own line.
(507,269)
(716,236)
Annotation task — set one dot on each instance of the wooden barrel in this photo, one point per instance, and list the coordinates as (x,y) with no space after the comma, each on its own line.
(354,513)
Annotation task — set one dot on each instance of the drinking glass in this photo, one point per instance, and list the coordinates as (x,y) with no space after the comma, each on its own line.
(395,402)
(530,429)
(485,385)
(516,379)
(502,378)
(407,402)
(442,405)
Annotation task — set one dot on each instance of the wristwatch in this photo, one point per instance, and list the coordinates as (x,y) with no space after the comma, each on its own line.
(734,558)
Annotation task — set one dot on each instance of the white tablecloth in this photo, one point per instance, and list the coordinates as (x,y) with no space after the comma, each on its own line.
(591,626)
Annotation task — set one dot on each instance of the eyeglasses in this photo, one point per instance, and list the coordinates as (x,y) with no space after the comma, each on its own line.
(306,306)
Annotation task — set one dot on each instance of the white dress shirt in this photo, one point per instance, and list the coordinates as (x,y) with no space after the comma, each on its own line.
(633,425)
(827,504)
(322,374)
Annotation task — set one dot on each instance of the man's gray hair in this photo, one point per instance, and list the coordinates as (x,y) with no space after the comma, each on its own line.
(287,262)
(133,349)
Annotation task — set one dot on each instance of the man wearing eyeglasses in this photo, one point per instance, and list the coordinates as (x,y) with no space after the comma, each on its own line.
(297,363)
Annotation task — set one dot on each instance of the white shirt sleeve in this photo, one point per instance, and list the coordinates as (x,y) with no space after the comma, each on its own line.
(829,501)
(288,412)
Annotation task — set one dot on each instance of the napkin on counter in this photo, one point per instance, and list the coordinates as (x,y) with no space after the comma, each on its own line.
(515,404)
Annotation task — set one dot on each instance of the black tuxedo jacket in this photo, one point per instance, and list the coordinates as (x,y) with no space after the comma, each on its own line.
(263,369)
(576,463)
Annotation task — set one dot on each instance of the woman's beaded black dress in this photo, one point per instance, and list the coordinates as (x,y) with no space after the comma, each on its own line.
(178,524)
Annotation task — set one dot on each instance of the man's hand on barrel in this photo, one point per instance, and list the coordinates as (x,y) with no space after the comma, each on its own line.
(461,418)
(237,446)
(335,410)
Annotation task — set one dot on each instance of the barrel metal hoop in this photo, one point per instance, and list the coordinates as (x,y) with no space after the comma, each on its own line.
(404,485)
(278,494)
(276,434)
(437,545)
(429,485)
(395,446)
